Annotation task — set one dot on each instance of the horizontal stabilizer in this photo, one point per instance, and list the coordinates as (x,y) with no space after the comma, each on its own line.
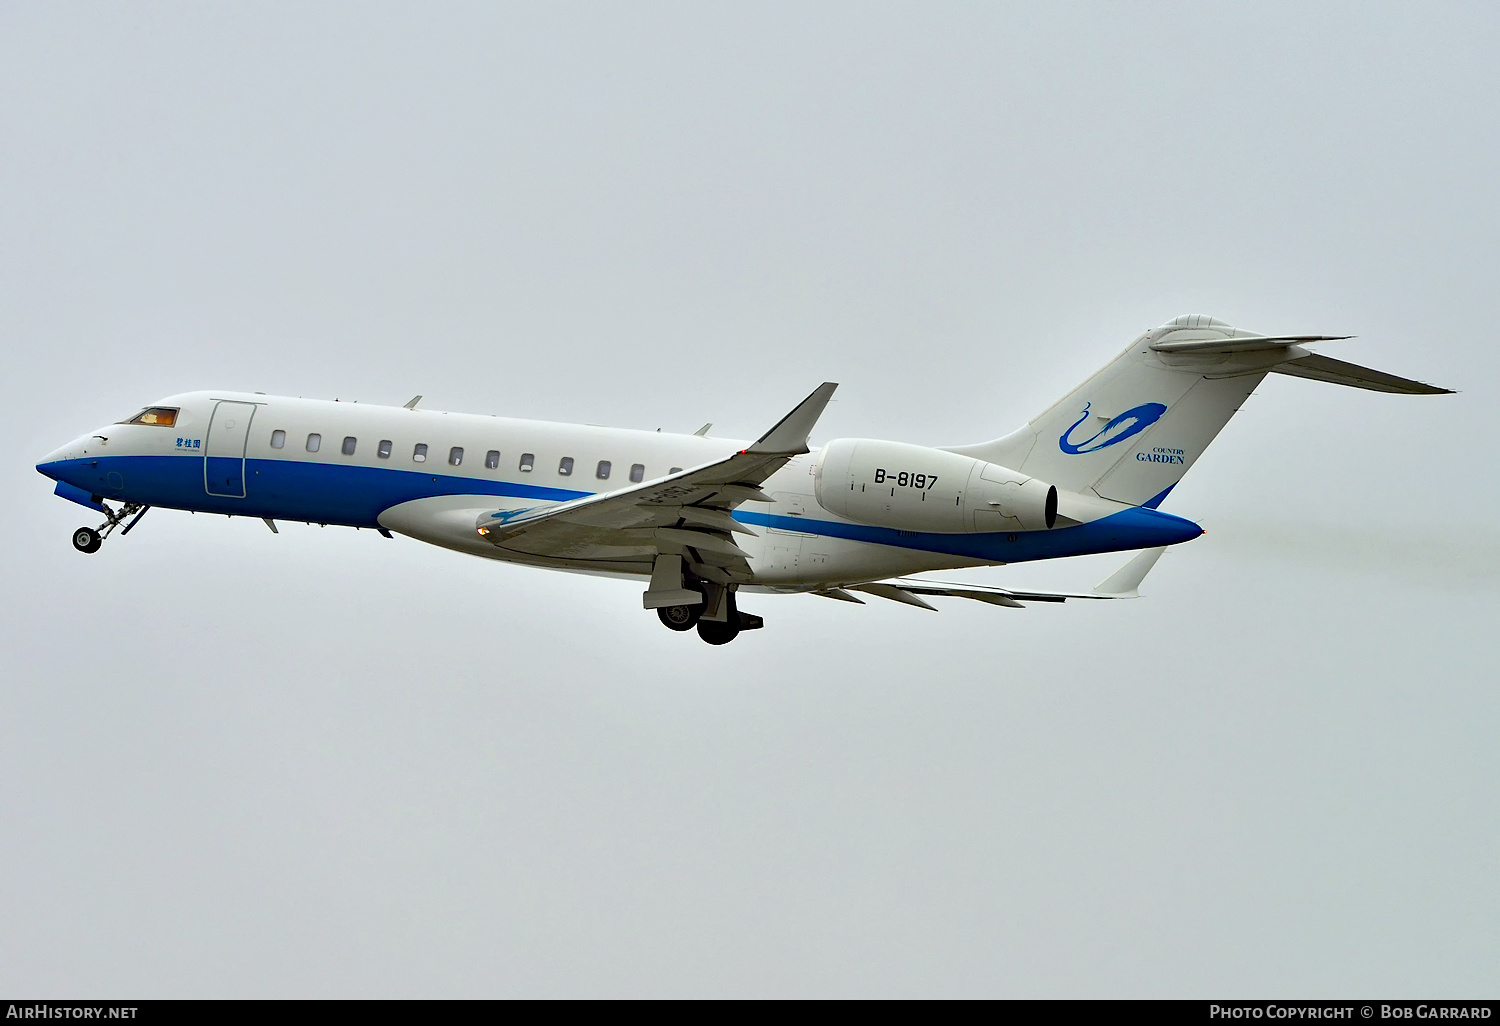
(1337,372)
(1242,343)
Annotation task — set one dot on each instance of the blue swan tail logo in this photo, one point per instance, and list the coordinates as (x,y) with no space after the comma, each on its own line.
(1131,422)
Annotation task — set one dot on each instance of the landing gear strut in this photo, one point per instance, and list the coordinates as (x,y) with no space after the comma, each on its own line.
(714,613)
(89,539)
(722,632)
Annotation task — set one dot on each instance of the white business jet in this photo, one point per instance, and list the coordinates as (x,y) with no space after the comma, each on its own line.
(704,519)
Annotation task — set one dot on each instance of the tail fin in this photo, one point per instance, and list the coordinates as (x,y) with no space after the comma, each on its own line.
(1131,431)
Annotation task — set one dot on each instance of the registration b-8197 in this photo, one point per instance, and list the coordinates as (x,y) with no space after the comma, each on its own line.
(905,479)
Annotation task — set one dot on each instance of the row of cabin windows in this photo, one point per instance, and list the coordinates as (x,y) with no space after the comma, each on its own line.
(456,456)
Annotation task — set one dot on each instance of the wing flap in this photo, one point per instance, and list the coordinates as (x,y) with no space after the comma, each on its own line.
(1122,584)
(895,593)
(841,595)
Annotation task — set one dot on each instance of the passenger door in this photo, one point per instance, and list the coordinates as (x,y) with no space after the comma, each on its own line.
(224,449)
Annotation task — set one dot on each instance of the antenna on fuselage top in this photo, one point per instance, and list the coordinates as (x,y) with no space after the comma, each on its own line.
(413,404)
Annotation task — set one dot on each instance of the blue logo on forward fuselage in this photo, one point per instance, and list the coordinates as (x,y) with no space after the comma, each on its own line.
(1131,422)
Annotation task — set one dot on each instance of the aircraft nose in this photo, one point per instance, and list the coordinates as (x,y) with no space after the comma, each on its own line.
(51,464)
(54,464)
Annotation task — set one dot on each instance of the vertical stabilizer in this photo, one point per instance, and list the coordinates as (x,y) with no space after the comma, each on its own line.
(1132,430)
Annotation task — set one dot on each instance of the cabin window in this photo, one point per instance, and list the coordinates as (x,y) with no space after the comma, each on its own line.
(278,439)
(349,443)
(383,450)
(455,455)
(675,470)
(637,472)
(565,466)
(528,460)
(419,453)
(602,471)
(492,459)
(157,416)
(314,442)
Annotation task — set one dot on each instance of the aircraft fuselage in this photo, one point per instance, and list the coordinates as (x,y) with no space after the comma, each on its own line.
(365,466)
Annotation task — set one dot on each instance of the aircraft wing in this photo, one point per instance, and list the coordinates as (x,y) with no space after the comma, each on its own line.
(1124,583)
(686,513)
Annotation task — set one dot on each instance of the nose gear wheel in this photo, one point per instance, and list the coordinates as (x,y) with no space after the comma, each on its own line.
(90,539)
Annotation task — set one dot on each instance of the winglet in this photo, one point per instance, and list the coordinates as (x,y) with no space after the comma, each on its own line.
(1124,582)
(790,433)
(413,404)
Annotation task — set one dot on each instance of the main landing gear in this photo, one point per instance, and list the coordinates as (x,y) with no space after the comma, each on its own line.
(713,631)
(89,539)
(679,618)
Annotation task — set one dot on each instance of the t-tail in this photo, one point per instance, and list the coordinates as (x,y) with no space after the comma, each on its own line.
(1130,432)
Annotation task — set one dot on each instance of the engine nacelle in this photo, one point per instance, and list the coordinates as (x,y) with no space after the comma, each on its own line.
(914,488)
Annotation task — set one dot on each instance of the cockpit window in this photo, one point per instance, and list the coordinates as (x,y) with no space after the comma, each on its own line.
(158,416)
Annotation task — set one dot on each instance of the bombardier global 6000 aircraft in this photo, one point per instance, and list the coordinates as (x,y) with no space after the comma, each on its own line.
(703,520)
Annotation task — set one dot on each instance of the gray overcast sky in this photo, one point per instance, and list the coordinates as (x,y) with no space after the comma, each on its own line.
(323,763)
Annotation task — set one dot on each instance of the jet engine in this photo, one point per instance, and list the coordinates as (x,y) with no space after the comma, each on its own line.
(914,488)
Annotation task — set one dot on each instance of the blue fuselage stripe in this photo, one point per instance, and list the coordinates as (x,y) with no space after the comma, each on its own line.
(355,496)
(319,493)
(1128,529)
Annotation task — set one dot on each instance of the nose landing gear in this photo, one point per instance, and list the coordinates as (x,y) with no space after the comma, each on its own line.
(89,539)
